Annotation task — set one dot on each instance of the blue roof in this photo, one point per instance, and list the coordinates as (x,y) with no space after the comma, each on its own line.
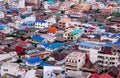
(45,64)
(45,44)
(2,26)
(86,27)
(75,32)
(21,27)
(34,60)
(108,45)
(13,8)
(55,45)
(114,35)
(117,43)
(90,45)
(38,38)
(41,21)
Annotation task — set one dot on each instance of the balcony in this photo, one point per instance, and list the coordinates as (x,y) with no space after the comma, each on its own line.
(71,64)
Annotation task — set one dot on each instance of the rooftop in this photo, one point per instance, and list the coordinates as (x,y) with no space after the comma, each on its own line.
(76,32)
(41,21)
(75,55)
(38,38)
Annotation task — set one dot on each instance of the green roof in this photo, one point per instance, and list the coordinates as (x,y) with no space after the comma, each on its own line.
(75,32)
(59,14)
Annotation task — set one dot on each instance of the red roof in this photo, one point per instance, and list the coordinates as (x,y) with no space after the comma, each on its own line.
(52,29)
(71,27)
(105,75)
(53,9)
(40,54)
(2,34)
(95,75)
(96,4)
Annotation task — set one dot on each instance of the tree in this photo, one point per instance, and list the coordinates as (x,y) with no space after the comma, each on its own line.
(39,67)
(116,14)
(18,61)
(45,59)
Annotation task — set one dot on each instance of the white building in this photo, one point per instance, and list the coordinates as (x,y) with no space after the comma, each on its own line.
(75,61)
(7,55)
(1,5)
(8,30)
(117,9)
(21,4)
(2,14)
(46,6)
(48,37)
(41,24)
(105,60)
(13,69)
(30,74)
(72,23)
(51,21)
(108,60)
(30,18)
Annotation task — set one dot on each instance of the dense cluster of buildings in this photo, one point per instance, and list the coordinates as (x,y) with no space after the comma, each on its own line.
(59,38)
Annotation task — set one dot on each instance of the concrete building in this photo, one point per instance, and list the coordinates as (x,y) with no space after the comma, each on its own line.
(13,69)
(1,5)
(117,9)
(75,61)
(21,4)
(63,21)
(85,7)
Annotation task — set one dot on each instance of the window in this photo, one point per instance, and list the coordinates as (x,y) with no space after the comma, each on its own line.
(5,70)
(75,24)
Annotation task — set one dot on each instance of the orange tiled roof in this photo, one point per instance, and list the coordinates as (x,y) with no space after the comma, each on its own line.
(52,29)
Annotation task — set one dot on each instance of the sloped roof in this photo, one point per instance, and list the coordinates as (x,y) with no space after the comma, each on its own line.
(105,75)
(34,60)
(52,29)
(38,38)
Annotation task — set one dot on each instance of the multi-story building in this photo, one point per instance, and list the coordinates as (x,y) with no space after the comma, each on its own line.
(73,35)
(107,10)
(41,24)
(117,9)
(85,7)
(104,57)
(65,6)
(75,61)
(63,21)
(1,5)
(13,69)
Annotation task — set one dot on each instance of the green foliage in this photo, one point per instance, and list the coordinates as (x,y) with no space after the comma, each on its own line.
(39,67)
(103,71)
(45,59)
(116,14)
(18,61)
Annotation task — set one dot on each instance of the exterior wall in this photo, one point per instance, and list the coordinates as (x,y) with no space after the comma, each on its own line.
(85,7)
(64,6)
(74,64)
(107,60)
(63,21)
(1,5)
(41,25)
(51,21)
(117,9)
(12,68)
